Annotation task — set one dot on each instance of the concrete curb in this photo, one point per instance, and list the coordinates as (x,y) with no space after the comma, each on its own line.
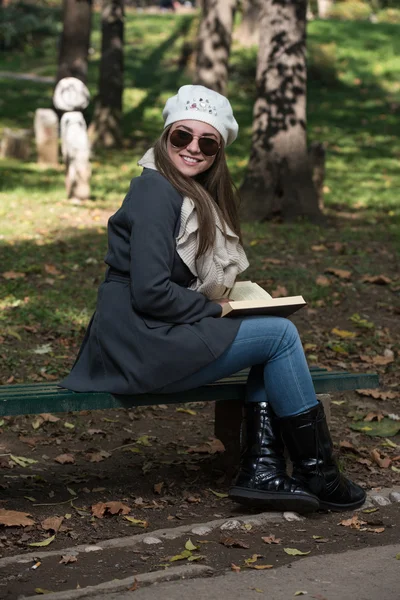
(123,585)
(133,540)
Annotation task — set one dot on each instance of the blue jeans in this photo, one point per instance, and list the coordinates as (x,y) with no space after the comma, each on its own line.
(279,372)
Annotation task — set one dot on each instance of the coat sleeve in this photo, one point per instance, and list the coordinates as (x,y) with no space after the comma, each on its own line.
(153,207)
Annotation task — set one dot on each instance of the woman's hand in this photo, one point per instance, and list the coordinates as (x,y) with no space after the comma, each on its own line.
(223,303)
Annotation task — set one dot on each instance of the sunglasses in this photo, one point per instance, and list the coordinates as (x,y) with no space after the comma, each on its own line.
(180,139)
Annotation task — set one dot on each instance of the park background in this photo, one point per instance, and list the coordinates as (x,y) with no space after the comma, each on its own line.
(347,267)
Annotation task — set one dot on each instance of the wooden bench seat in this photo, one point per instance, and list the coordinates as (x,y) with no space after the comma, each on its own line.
(36,398)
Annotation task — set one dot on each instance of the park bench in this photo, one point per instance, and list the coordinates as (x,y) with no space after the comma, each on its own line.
(36,398)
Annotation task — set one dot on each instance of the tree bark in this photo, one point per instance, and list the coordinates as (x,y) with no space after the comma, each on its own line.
(214,44)
(75,39)
(105,129)
(248,32)
(278,178)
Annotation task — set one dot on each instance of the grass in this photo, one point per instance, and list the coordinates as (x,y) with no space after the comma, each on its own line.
(58,247)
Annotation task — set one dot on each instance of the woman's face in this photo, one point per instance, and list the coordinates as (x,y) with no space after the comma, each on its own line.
(190,160)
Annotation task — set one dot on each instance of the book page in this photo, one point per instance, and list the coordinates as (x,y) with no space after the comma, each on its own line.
(247,291)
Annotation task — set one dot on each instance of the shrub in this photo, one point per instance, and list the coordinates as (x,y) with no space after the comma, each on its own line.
(389,15)
(353,10)
(23,23)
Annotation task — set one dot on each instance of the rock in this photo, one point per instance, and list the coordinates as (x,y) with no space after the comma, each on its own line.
(380,500)
(151,540)
(394,496)
(201,530)
(93,548)
(231,525)
(292,516)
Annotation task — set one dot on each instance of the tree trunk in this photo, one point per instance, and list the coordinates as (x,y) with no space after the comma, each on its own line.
(248,32)
(278,179)
(324,7)
(105,129)
(214,44)
(75,39)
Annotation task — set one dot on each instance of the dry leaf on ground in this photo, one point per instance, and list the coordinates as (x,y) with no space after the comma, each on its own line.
(341,273)
(53,523)
(279,291)
(97,456)
(15,518)
(377,279)
(354,522)
(235,568)
(65,560)
(271,539)
(114,508)
(322,281)
(382,461)
(13,275)
(65,459)
(378,394)
(211,447)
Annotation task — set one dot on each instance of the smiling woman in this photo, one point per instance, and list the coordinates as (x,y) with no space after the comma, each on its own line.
(174,252)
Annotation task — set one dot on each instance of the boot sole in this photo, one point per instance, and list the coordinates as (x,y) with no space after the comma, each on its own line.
(338,507)
(280,501)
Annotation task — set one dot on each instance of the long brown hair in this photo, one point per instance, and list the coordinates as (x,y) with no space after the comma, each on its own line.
(213,188)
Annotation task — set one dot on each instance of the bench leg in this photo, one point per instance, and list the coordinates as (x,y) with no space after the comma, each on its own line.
(228,420)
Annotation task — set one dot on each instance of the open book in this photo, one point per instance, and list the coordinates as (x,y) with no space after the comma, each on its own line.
(248,298)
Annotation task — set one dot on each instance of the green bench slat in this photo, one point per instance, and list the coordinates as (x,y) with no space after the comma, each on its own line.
(36,398)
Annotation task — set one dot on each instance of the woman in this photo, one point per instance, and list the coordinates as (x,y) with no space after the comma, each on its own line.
(174,253)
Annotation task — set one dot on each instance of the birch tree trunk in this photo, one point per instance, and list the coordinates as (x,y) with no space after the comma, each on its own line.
(75,39)
(248,32)
(105,129)
(214,44)
(278,179)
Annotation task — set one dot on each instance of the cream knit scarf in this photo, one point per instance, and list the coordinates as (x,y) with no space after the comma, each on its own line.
(215,271)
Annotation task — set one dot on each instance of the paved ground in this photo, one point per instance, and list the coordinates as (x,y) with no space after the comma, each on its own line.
(370,574)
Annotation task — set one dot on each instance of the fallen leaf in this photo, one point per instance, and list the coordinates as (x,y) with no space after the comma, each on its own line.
(374,416)
(43,349)
(360,322)
(182,556)
(190,546)
(235,568)
(398,556)
(188,411)
(261,567)
(252,559)
(45,542)
(138,522)
(218,494)
(66,560)
(384,428)
(97,456)
(377,279)
(279,291)
(13,275)
(322,281)
(22,461)
(343,333)
(211,447)
(341,273)
(53,523)
(134,586)
(295,552)
(272,261)
(96,432)
(113,507)
(42,591)
(300,593)
(379,394)
(51,270)
(14,518)
(230,542)
(354,522)
(158,487)
(375,529)
(319,248)
(65,459)
(49,417)
(143,440)
(68,425)
(271,539)
(383,462)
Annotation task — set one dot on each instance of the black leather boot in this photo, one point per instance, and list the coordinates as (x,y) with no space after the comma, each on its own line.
(262,480)
(310,447)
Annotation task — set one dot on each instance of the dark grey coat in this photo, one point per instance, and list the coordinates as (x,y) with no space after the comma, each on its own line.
(149,329)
